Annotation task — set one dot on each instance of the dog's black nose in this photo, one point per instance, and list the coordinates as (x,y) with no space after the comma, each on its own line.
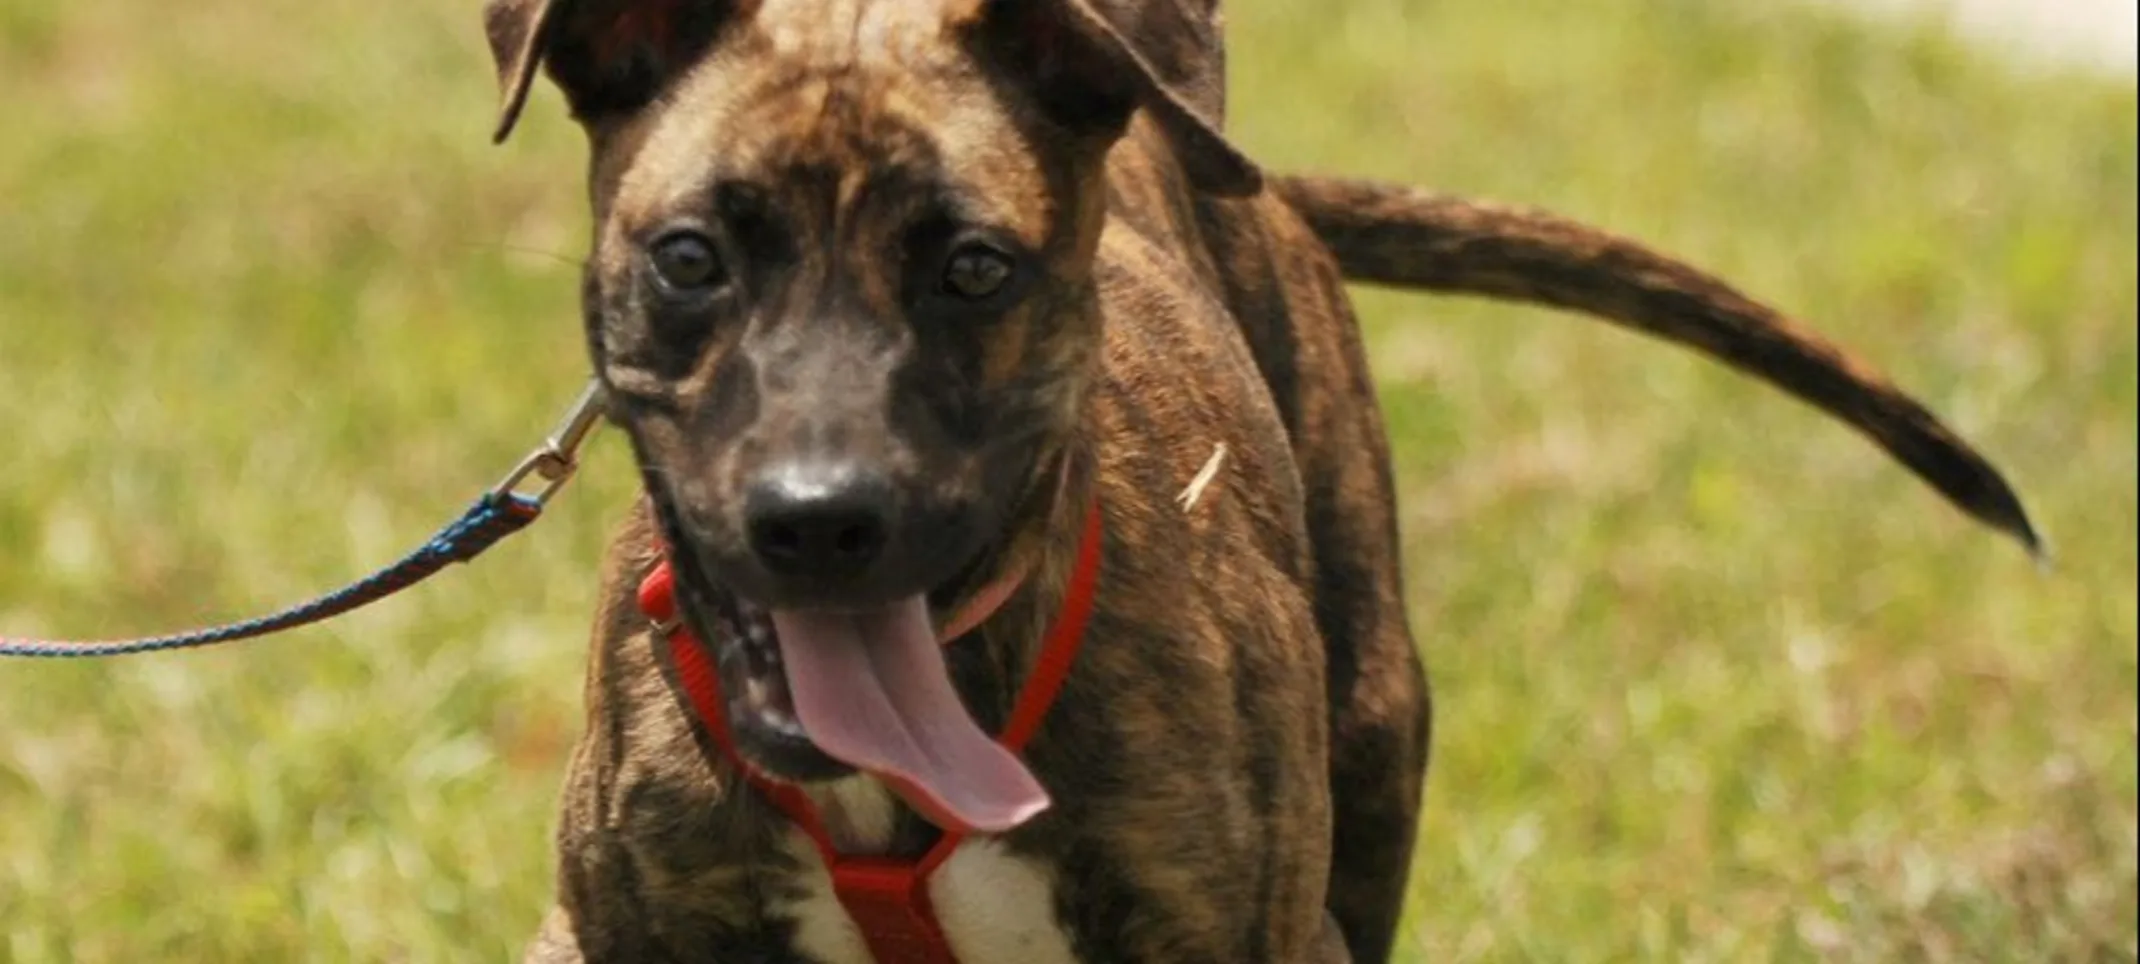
(823,520)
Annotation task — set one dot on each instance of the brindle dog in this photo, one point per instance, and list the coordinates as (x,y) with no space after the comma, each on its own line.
(884,294)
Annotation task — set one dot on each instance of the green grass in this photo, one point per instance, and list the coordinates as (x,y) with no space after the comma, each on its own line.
(1716,681)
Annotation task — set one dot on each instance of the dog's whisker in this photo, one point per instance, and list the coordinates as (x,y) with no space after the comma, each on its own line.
(570,261)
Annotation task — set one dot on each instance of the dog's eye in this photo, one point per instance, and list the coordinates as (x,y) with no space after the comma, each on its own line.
(976,272)
(688,263)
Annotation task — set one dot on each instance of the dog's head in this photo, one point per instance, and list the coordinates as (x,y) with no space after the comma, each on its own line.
(841,291)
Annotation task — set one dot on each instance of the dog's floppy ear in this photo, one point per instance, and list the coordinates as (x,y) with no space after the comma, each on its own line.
(1090,72)
(515,29)
(608,56)
(1183,41)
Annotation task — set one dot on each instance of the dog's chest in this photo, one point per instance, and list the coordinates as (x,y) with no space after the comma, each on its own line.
(994,906)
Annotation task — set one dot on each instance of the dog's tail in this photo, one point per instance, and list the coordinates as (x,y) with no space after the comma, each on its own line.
(1394,235)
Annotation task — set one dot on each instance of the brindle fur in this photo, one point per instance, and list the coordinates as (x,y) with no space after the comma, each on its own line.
(1244,740)
(1401,236)
(1188,752)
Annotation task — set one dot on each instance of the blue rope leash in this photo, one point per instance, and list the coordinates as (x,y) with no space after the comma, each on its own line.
(499,513)
(489,520)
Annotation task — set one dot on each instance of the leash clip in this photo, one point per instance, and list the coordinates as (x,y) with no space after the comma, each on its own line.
(559,455)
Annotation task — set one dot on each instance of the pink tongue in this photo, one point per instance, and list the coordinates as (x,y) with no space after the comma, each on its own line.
(872,691)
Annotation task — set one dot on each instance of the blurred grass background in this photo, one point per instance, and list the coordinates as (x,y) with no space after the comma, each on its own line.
(1716,682)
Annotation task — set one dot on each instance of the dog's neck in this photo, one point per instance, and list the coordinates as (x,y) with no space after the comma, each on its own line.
(1011,569)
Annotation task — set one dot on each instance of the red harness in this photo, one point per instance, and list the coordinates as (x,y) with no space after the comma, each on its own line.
(887,898)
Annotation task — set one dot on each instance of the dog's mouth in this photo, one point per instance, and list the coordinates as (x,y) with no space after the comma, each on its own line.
(817,694)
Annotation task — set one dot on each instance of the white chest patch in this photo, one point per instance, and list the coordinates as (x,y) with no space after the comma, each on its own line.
(998,907)
(995,908)
(859,813)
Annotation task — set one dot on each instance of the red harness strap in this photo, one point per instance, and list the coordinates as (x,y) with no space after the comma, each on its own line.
(888,899)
